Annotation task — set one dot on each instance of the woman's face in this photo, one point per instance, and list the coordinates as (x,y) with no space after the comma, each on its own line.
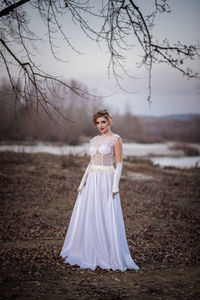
(102,124)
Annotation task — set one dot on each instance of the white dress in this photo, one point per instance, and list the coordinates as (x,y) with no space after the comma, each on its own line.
(96,232)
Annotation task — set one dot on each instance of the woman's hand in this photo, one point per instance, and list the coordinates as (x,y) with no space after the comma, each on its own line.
(113,195)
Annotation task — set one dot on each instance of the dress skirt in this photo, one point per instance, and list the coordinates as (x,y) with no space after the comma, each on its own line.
(96,232)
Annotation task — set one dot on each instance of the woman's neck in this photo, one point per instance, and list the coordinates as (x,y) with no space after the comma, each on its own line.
(109,132)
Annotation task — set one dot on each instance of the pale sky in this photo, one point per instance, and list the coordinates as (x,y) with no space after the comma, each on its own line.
(171,93)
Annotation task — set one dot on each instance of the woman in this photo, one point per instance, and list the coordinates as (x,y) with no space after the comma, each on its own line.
(96,233)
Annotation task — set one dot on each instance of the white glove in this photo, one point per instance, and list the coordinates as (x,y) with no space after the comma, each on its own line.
(84,178)
(117,175)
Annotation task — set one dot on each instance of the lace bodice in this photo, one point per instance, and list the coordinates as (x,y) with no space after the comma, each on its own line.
(102,149)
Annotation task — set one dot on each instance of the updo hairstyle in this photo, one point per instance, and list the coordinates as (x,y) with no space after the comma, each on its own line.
(102,113)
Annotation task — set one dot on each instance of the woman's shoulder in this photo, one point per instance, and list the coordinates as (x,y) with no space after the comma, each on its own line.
(116,137)
(94,138)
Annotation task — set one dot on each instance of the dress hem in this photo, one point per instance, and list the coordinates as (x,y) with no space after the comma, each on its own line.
(93,268)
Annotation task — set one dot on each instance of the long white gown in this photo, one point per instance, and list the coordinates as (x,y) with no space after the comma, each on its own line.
(96,232)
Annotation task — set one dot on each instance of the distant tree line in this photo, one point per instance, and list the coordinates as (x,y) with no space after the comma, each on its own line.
(69,122)
(174,129)
(31,122)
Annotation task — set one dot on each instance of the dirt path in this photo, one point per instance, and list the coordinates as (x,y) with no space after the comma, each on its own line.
(161,212)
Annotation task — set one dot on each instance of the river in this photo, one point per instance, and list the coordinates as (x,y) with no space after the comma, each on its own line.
(159,153)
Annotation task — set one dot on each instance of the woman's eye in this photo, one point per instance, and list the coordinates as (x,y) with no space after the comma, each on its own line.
(97,123)
(103,122)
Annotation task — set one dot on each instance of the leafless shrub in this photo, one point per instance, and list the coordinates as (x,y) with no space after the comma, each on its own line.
(187,149)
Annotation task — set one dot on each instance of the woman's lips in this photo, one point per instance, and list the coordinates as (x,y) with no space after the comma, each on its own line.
(101,128)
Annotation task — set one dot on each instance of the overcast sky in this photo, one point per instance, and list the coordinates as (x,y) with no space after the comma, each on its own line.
(171,93)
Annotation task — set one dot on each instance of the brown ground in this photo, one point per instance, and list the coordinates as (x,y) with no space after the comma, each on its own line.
(161,209)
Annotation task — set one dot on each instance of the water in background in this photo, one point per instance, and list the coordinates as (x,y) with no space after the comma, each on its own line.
(158,153)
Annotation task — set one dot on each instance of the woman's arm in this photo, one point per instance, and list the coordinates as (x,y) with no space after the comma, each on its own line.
(118,169)
(85,176)
(118,151)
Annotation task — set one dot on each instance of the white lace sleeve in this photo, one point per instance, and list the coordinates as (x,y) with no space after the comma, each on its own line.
(116,137)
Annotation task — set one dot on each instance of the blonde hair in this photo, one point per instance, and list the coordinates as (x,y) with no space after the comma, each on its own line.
(102,113)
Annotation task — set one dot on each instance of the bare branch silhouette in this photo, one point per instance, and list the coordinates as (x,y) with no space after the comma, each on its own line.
(122,25)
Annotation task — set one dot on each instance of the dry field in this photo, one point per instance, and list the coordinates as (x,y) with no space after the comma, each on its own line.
(161,209)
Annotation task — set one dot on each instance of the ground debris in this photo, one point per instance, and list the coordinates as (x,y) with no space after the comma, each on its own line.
(161,209)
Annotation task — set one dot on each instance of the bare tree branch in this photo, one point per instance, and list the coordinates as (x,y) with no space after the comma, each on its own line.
(10,8)
(123,25)
(123,19)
